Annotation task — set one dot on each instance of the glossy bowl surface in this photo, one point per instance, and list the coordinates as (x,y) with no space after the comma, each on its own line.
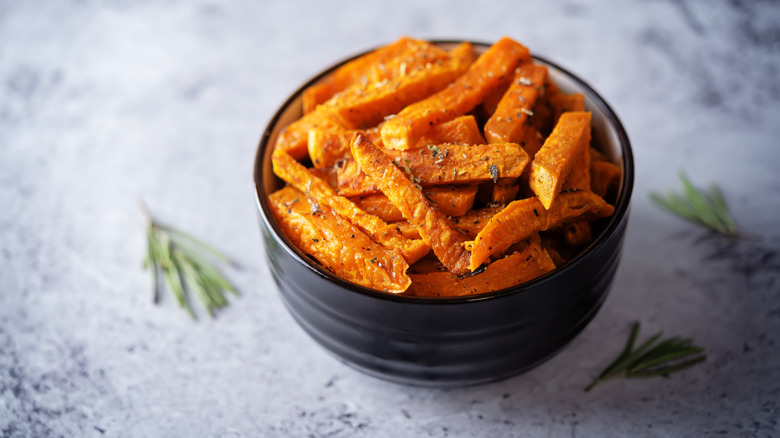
(449,341)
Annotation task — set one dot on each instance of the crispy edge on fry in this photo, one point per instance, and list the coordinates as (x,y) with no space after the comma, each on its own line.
(554,161)
(446,242)
(522,218)
(487,73)
(440,165)
(294,173)
(337,244)
(519,267)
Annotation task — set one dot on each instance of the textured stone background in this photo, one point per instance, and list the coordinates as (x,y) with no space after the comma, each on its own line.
(106,103)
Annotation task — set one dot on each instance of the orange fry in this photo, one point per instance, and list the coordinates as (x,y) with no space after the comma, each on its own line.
(451,201)
(513,269)
(337,244)
(446,242)
(507,124)
(439,165)
(520,219)
(294,173)
(554,161)
(487,73)
(383,63)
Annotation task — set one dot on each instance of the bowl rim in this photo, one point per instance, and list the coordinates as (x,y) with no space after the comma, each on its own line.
(621,204)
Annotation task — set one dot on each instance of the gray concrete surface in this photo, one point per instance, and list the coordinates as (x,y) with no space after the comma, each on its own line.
(106,103)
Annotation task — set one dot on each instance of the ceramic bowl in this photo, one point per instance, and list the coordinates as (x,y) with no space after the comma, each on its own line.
(449,341)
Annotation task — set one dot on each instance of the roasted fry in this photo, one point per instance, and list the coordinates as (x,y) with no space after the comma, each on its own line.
(337,244)
(521,219)
(554,161)
(446,242)
(488,72)
(513,269)
(439,165)
(286,168)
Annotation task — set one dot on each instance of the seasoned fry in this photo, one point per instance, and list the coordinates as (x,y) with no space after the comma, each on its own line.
(446,242)
(294,137)
(554,161)
(384,63)
(367,105)
(507,124)
(488,72)
(437,174)
(286,168)
(521,219)
(337,244)
(513,269)
(564,103)
(461,130)
(439,165)
(328,145)
(451,201)
(603,175)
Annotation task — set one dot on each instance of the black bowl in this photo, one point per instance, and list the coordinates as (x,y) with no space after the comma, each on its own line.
(449,341)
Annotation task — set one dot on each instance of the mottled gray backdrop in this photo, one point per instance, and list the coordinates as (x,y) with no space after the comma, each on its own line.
(103,103)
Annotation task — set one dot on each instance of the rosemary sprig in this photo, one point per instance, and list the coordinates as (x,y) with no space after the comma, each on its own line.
(186,264)
(708,210)
(651,359)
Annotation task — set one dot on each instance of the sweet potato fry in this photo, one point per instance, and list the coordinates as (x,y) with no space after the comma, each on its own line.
(521,219)
(294,137)
(328,145)
(488,72)
(439,165)
(507,124)
(461,130)
(337,244)
(519,267)
(564,103)
(451,201)
(384,63)
(367,105)
(603,175)
(554,161)
(446,242)
(294,173)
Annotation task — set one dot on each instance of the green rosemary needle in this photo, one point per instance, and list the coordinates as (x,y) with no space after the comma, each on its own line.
(708,210)
(187,264)
(652,358)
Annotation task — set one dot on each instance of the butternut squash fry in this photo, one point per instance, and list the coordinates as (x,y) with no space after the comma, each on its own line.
(383,63)
(439,165)
(507,124)
(337,244)
(554,161)
(488,72)
(294,173)
(474,221)
(451,201)
(446,242)
(519,267)
(522,218)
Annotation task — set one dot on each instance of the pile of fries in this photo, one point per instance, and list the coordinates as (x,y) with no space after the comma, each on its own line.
(420,171)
